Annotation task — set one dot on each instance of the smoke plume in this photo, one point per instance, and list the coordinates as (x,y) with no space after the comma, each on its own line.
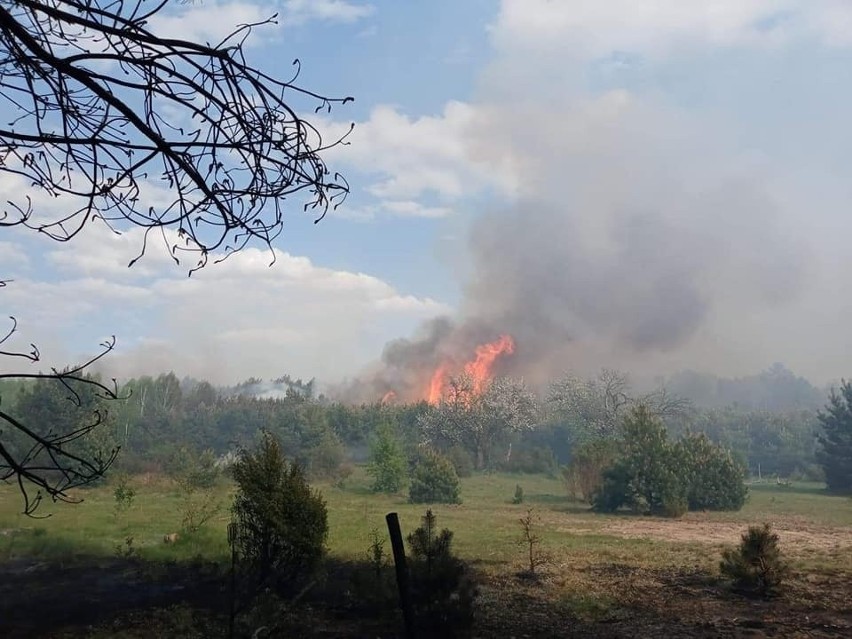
(626,238)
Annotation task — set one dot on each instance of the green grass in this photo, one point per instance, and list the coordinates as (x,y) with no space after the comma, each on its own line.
(485,525)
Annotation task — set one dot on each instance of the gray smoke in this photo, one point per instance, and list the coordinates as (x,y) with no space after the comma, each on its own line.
(628,236)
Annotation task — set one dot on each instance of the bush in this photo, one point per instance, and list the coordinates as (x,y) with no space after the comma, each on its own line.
(716,480)
(124,494)
(530,461)
(387,464)
(519,495)
(193,470)
(282,523)
(326,457)
(434,482)
(757,565)
(461,461)
(584,476)
(442,591)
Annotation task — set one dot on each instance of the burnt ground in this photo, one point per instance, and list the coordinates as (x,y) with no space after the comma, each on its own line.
(125,598)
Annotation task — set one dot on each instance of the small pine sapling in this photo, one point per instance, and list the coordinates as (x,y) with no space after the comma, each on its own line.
(757,566)
(531,541)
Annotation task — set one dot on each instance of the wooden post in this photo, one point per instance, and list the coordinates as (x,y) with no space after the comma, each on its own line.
(401,573)
(232,542)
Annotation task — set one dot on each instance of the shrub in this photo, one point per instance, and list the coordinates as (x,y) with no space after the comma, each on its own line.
(614,490)
(584,476)
(124,494)
(282,523)
(434,482)
(716,481)
(326,457)
(757,565)
(442,591)
(193,470)
(461,460)
(196,475)
(537,460)
(519,495)
(387,464)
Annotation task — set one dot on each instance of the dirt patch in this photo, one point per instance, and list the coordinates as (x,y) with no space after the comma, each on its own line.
(794,535)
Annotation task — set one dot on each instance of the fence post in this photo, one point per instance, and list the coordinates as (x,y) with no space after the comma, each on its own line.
(401,573)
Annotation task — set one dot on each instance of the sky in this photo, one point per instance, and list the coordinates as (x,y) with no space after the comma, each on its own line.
(650,185)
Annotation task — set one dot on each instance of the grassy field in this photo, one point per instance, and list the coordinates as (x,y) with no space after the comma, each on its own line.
(600,565)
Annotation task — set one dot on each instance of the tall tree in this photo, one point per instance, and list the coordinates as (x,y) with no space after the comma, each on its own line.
(116,123)
(835,440)
(478,420)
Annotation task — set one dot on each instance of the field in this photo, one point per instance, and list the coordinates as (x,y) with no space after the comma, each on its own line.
(607,576)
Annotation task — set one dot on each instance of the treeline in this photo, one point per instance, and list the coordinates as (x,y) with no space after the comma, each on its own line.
(505,428)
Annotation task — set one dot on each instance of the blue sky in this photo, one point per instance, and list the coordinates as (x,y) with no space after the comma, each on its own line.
(467,110)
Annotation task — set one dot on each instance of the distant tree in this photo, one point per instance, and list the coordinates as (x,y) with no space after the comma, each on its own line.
(59,436)
(835,454)
(388,465)
(594,408)
(116,123)
(478,420)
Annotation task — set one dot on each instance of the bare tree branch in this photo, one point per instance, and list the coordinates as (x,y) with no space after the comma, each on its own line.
(139,130)
(117,124)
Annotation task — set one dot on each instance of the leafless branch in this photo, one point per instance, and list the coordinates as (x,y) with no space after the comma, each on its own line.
(139,130)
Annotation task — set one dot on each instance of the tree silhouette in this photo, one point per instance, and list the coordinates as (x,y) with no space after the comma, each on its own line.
(109,121)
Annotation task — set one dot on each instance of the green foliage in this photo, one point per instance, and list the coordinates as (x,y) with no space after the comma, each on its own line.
(387,464)
(196,476)
(123,494)
(442,591)
(461,460)
(530,460)
(434,481)
(715,478)
(193,471)
(282,522)
(652,475)
(127,550)
(835,454)
(519,495)
(326,458)
(648,476)
(757,565)
(584,476)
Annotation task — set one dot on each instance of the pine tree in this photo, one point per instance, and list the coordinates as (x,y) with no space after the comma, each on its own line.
(387,461)
(835,455)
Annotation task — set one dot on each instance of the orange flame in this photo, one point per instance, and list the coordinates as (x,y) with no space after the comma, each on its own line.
(388,397)
(486,354)
(479,368)
(436,384)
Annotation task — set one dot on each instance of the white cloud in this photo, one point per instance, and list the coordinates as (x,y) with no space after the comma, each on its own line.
(413,157)
(654,27)
(213,21)
(229,321)
(300,11)
(410,208)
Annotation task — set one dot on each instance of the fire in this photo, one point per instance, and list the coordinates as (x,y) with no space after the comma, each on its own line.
(388,397)
(436,384)
(479,369)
